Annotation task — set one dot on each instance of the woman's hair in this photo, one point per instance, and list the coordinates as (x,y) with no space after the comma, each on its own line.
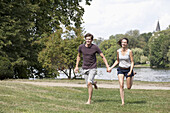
(120,41)
(89,35)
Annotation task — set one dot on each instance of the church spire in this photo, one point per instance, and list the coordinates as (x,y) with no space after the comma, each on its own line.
(158,27)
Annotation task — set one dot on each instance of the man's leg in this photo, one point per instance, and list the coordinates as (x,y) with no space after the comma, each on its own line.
(95,85)
(90,92)
(92,73)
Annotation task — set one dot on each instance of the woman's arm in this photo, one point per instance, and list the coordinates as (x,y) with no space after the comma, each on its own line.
(116,62)
(132,62)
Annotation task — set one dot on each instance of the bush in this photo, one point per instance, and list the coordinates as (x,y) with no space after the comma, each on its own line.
(143,59)
(6,70)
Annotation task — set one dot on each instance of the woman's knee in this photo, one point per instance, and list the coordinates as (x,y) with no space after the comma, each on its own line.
(122,86)
(89,84)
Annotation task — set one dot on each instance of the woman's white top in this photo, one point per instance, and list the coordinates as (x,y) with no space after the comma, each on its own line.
(124,61)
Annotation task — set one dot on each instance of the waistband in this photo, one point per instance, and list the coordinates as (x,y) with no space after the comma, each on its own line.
(124,68)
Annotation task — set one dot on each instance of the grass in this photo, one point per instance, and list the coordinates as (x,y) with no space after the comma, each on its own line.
(25,98)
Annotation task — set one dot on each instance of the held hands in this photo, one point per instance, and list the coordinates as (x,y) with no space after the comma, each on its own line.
(76,69)
(109,69)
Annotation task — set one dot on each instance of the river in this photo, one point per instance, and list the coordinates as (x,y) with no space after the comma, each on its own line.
(143,74)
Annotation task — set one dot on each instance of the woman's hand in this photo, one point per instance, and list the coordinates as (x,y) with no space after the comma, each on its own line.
(129,73)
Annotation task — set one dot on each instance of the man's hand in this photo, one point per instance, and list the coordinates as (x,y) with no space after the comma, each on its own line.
(109,69)
(76,69)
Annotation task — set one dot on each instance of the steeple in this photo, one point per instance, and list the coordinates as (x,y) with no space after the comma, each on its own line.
(158,27)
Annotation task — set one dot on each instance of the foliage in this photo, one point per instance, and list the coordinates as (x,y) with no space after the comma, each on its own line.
(6,68)
(23,22)
(98,41)
(143,59)
(108,48)
(159,48)
(60,54)
(138,56)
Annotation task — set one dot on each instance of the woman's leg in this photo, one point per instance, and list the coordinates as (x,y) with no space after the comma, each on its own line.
(129,81)
(121,83)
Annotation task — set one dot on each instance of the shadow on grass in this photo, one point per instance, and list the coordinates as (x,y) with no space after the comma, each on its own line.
(136,102)
(106,100)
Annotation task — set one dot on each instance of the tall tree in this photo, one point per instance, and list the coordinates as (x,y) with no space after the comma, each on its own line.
(60,54)
(22,22)
(159,48)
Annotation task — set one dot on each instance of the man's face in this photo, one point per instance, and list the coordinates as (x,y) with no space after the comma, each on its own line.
(88,40)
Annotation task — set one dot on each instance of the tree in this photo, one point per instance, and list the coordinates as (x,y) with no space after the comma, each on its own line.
(159,48)
(138,56)
(108,48)
(60,54)
(23,22)
(6,68)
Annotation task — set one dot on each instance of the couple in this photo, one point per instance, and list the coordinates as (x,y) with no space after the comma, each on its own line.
(124,59)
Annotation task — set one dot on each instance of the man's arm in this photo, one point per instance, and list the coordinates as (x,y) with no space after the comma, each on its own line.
(104,59)
(77,63)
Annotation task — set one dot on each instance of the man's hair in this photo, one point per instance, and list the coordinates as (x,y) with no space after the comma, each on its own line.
(120,41)
(89,35)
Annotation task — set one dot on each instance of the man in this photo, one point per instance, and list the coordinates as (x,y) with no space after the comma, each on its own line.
(89,66)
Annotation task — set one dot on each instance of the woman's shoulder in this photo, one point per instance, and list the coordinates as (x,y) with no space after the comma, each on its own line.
(129,50)
(119,50)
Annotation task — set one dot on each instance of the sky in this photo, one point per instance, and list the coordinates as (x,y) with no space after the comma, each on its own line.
(104,18)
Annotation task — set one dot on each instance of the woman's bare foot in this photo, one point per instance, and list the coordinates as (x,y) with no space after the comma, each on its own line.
(95,85)
(123,104)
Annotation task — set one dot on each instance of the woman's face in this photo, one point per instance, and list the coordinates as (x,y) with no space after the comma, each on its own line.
(88,40)
(124,43)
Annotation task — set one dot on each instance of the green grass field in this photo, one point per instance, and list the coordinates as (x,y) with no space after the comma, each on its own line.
(25,98)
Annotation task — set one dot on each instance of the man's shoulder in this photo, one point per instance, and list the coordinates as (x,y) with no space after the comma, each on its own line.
(94,45)
(82,45)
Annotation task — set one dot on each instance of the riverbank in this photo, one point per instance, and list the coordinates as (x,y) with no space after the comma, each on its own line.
(142,65)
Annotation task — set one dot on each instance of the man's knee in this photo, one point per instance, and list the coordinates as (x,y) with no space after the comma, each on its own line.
(128,87)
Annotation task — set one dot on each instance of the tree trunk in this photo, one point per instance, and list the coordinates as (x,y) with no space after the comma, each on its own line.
(69,76)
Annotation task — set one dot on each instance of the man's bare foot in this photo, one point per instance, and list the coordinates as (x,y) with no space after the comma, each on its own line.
(88,102)
(95,85)
(123,104)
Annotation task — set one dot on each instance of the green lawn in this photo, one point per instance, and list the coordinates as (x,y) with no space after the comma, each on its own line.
(18,97)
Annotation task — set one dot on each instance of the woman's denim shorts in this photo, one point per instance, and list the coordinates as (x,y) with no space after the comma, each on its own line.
(124,71)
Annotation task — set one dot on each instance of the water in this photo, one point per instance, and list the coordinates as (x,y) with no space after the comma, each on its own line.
(143,74)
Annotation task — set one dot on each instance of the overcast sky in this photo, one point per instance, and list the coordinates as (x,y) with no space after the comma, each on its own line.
(104,18)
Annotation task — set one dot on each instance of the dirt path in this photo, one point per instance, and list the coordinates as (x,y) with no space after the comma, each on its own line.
(100,85)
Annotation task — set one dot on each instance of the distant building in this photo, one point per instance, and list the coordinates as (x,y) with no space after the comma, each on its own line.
(158,27)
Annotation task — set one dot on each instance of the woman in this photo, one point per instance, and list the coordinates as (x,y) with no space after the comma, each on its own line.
(126,64)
